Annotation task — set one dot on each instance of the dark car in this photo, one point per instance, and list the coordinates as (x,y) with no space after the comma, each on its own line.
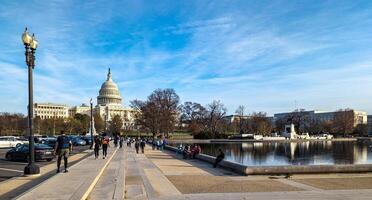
(76,141)
(49,141)
(42,152)
(87,139)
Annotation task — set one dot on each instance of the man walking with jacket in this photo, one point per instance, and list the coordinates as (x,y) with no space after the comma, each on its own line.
(62,148)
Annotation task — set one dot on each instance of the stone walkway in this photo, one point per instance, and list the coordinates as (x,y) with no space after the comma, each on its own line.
(198,180)
(163,175)
(72,185)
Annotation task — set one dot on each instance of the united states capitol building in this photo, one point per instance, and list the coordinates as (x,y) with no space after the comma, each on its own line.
(109,104)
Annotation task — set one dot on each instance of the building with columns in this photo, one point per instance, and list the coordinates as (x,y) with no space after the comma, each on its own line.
(109,103)
(50,110)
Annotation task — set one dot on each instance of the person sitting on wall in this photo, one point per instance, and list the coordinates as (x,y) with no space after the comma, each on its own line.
(179,149)
(195,151)
(219,158)
(186,152)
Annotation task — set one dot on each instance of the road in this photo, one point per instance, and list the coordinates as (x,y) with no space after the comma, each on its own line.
(9,169)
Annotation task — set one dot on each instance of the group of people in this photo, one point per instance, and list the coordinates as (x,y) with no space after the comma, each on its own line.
(101,141)
(140,143)
(190,151)
(63,148)
(159,143)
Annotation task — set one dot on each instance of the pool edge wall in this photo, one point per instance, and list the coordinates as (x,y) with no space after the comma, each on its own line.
(277,170)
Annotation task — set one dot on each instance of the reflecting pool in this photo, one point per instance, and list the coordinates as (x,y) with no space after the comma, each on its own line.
(293,153)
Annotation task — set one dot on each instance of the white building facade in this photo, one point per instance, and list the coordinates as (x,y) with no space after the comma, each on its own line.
(50,110)
(109,104)
(360,117)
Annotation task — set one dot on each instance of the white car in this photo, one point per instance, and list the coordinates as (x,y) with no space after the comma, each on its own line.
(9,141)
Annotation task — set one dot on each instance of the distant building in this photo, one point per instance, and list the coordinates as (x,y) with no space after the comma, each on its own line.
(83,109)
(360,117)
(109,103)
(50,110)
(235,118)
(369,124)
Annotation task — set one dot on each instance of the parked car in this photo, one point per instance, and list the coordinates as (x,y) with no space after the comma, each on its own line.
(76,141)
(87,139)
(42,152)
(9,141)
(49,141)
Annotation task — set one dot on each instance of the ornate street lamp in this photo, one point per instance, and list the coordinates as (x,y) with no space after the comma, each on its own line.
(91,123)
(30,45)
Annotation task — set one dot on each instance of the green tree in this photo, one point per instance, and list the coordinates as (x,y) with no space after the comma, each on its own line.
(99,124)
(84,121)
(115,125)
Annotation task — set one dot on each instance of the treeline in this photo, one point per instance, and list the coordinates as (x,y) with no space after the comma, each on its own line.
(12,124)
(162,113)
(16,124)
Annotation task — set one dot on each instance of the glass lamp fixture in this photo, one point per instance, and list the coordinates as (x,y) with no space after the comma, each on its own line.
(33,43)
(26,38)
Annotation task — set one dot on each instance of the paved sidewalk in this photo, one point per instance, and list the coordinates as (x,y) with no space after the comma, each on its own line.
(111,185)
(144,180)
(162,175)
(12,187)
(198,180)
(72,185)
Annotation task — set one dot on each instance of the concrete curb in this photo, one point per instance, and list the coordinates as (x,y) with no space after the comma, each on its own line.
(90,188)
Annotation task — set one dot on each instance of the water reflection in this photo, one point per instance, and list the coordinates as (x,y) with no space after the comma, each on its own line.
(294,153)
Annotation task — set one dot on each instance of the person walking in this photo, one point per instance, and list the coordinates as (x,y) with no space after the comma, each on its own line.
(219,158)
(136,145)
(116,141)
(62,148)
(97,144)
(143,144)
(105,144)
(121,142)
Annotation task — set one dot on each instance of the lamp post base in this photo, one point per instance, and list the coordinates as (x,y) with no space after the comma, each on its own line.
(32,169)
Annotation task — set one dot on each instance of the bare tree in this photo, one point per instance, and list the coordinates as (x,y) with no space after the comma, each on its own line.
(216,111)
(159,113)
(240,112)
(192,114)
(344,122)
(300,119)
(260,123)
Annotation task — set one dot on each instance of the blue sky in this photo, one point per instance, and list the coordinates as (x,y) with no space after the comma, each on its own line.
(270,56)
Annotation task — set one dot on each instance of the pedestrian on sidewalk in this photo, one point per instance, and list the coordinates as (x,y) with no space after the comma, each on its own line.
(97,144)
(219,158)
(143,144)
(121,142)
(62,148)
(116,141)
(136,145)
(105,144)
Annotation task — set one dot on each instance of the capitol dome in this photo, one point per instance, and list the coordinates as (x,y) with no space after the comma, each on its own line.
(109,92)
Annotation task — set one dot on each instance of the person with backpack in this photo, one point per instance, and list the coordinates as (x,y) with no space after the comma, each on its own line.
(105,144)
(62,148)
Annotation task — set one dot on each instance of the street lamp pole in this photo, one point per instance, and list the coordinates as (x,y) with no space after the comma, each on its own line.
(30,45)
(91,123)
